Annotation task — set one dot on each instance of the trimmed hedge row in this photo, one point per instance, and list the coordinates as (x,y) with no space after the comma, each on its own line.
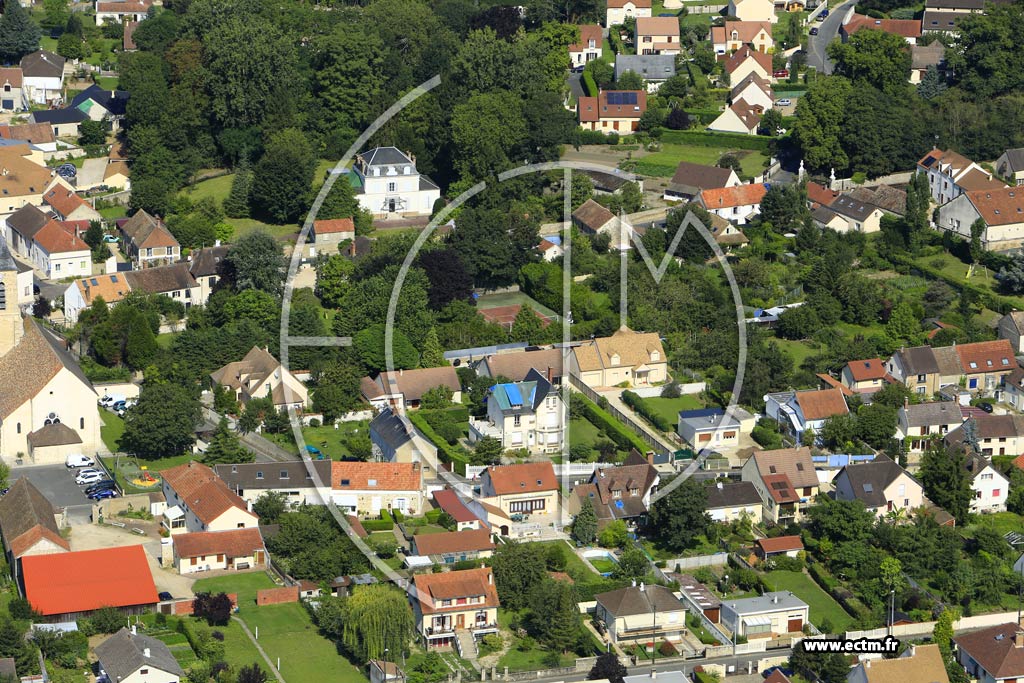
(448,453)
(589,84)
(634,401)
(710,139)
(378,524)
(846,599)
(613,429)
(987,297)
(705,116)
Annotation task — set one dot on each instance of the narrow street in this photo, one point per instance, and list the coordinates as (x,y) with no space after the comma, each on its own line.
(828,30)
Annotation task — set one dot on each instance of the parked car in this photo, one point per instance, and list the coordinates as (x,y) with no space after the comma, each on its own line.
(987,407)
(814,31)
(824,13)
(781,73)
(88,478)
(86,471)
(164,596)
(110,399)
(784,102)
(103,494)
(110,239)
(578,69)
(76,460)
(100,486)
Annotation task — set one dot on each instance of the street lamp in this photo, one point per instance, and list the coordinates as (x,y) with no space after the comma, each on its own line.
(892,609)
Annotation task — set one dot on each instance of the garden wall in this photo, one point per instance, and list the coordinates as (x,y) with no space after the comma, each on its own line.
(655,392)
(277,596)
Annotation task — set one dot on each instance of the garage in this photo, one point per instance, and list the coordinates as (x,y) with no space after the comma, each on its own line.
(349,502)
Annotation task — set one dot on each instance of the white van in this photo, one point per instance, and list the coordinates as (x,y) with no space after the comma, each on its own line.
(110,399)
(77,460)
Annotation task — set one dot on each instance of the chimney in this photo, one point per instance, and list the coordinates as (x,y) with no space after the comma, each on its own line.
(642,587)
(867,663)
(906,402)
(145,652)
(634,583)
(775,599)
(1018,638)
(654,673)
(134,630)
(551,374)
(400,372)
(912,651)
(719,485)
(416,467)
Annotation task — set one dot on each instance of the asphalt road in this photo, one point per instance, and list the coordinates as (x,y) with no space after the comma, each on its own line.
(828,30)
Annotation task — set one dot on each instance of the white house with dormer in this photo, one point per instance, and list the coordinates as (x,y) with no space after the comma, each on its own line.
(989,486)
(389,186)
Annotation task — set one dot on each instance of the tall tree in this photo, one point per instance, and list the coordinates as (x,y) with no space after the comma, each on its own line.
(224,447)
(19,35)
(162,423)
(555,614)
(584,526)
(678,518)
(819,116)
(518,569)
(374,619)
(256,262)
(433,352)
(282,181)
(946,481)
(875,58)
(608,667)
(236,204)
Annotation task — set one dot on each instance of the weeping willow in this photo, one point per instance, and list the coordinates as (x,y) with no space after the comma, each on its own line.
(376,618)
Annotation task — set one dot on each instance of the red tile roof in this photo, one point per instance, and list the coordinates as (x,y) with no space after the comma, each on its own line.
(733,61)
(868,369)
(818,405)
(597,108)
(334,225)
(995,650)
(820,194)
(87,580)
(11,75)
(56,239)
(640,4)
(124,6)
(1018,462)
(588,32)
(453,585)
(908,28)
(375,476)
(746,31)
(835,384)
(63,200)
(453,542)
(990,356)
(232,543)
(450,502)
(657,26)
(531,477)
(780,488)
(780,544)
(727,197)
(1004,206)
(202,491)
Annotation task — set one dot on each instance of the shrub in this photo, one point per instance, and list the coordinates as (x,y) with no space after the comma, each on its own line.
(214,608)
(667,649)
(314,422)
(107,620)
(378,524)
(634,401)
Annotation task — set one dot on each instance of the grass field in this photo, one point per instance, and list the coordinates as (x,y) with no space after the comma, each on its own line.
(245,585)
(821,603)
(510,299)
(669,408)
(287,633)
(583,431)
(112,429)
(752,162)
(1003,522)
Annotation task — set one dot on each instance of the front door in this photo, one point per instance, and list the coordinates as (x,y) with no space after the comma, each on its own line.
(391,205)
(460,621)
(795,625)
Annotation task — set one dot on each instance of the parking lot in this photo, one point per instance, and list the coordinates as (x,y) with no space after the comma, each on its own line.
(57,483)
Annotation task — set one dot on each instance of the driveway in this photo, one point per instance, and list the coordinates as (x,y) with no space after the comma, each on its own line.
(94,536)
(828,30)
(58,485)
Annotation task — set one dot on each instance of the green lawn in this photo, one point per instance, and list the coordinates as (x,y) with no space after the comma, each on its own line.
(584,431)
(1003,522)
(165,340)
(603,566)
(668,158)
(953,267)
(330,441)
(510,299)
(112,213)
(218,188)
(243,226)
(288,634)
(245,585)
(112,429)
(669,408)
(799,351)
(574,566)
(821,603)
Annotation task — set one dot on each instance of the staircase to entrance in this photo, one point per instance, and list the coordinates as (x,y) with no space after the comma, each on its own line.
(466,643)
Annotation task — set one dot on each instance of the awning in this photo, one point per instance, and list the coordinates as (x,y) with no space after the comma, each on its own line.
(757,621)
(174,513)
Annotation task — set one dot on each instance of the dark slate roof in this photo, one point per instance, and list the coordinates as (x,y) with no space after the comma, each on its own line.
(691,178)
(112,100)
(392,429)
(1016,158)
(22,509)
(161,279)
(55,434)
(868,480)
(247,475)
(609,181)
(631,600)
(28,220)
(7,261)
(732,494)
(206,262)
(385,156)
(42,64)
(942,21)
(124,653)
(933,413)
(853,208)
(955,4)
(648,67)
(919,360)
(58,116)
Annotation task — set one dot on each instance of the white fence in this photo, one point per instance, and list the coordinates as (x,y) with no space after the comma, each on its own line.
(816,12)
(926,627)
(684,563)
(655,392)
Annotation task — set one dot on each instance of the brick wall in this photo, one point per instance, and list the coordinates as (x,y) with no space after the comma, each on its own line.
(183,608)
(277,596)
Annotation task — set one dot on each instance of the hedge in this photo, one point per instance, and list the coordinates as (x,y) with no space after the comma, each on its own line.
(448,453)
(634,401)
(710,139)
(378,524)
(589,84)
(616,431)
(704,116)
(846,599)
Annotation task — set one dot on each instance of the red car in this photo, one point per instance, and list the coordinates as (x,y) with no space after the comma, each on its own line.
(781,73)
